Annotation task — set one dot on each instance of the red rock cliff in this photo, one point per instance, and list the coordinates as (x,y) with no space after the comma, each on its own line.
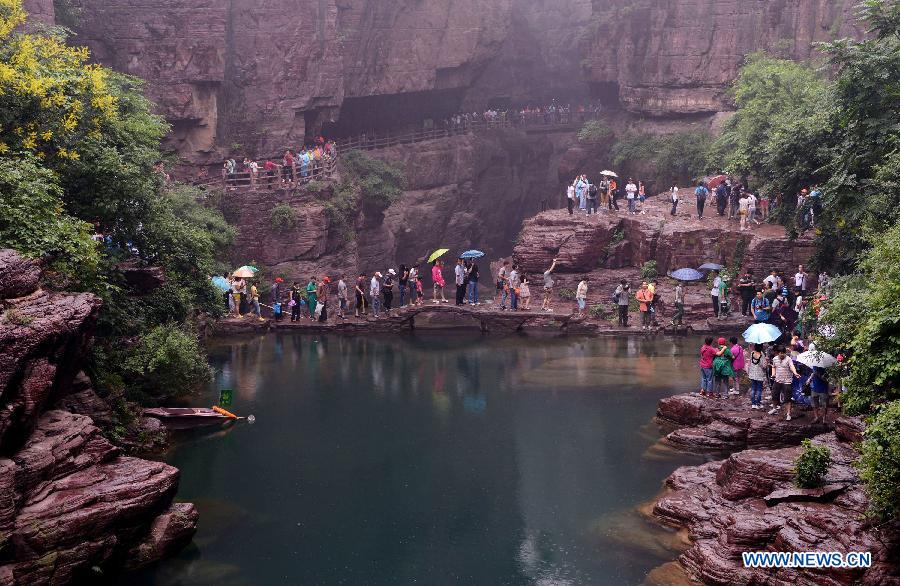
(266,74)
(69,499)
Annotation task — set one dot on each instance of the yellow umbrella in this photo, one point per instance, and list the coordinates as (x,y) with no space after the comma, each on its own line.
(438,254)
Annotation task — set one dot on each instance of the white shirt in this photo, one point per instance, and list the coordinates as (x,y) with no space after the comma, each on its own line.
(374,287)
(630,190)
(771,281)
(715,287)
(751,201)
(800,280)
(743,204)
(674,194)
(570,192)
(460,274)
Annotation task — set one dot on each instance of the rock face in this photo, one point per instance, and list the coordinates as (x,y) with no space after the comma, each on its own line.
(748,503)
(266,75)
(470,191)
(608,247)
(69,500)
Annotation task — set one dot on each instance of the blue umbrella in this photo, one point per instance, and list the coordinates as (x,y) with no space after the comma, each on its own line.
(221,283)
(710,266)
(761,333)
(472,254)
(686,275)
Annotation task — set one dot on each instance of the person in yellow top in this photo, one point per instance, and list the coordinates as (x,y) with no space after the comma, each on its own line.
(254,301)
(644,297)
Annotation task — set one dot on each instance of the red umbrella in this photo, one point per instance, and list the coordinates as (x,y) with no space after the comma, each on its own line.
(713,182)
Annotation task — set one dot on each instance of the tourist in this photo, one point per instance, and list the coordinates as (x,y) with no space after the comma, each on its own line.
(437,278)
(548,287)
(304,164)
(460,272)
(722,369)
(707,356)
(764,206)
(746,290)
(581,296)
(387,290)
(375,293)
(801,280)
(654,299)
(771,282)
(756,372)
(270,172)
(673,197)
(413,285)
(295,296)
(503,284)
(229,168)
(229,300)
(734,199)
(472,275)
(751,210)
(724,300)
(679,304)
(402,283)
(630,195)
(514,284)
(783,372)
(644,297)
(420,294)
(570,197)
(743,210)
(311,300)
(819,389)
(737,363)
(238,288)
(620,297)
(722,192)
(276,290)
(342,297)
(287,167)
(581,192)
(592,193)
(524,294)
(642,196)
(604,194)
(254,301)
(701,192)
(322,296)
(360,290)
(714,292)
(614,194)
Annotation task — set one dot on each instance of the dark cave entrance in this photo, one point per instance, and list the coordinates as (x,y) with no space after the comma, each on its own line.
(607,93)
(394,113)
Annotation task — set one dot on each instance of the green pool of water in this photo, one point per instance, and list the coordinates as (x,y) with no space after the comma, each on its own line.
(430,459)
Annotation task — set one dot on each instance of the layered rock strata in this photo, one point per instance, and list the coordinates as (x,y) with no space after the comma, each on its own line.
(70,500)
(748,502)
(267,75)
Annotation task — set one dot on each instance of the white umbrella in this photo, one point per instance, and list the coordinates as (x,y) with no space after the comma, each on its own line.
(608,173)
(816,358)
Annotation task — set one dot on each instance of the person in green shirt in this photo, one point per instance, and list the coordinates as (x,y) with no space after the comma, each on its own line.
(722,369)
(311,288)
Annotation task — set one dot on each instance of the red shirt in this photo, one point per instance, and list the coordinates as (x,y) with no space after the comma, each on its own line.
(707,354)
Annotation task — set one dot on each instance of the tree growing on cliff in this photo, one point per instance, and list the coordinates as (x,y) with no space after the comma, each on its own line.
(79,147)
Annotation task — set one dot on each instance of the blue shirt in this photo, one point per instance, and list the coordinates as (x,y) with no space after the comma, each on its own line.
(760,308)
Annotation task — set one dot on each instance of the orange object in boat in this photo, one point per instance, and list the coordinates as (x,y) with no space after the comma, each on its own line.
(218,409)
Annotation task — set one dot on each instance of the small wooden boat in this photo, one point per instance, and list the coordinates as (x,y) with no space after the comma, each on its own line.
(189,416)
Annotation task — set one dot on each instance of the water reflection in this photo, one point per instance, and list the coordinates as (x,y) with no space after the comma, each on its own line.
(432,459)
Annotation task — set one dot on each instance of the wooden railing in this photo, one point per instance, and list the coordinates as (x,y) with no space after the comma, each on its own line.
(280,177)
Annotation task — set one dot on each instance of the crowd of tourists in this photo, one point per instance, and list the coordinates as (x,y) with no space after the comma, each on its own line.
(553,113)
(588,196)
(726,365)
(735,201)
(304,164)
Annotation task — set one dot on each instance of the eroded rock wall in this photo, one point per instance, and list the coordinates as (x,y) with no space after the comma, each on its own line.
(256,77)
(69,499)
(469,191)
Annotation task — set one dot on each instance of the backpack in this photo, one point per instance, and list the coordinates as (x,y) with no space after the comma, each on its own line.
(700,192)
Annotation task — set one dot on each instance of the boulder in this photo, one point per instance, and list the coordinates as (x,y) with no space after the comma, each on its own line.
(18,276)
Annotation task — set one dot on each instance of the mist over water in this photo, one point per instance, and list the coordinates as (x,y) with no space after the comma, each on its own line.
(431,459)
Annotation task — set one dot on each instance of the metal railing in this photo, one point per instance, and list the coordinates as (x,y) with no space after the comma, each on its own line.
(280,177)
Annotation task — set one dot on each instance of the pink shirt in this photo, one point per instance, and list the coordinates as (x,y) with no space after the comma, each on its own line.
(436,275)
(738,352)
